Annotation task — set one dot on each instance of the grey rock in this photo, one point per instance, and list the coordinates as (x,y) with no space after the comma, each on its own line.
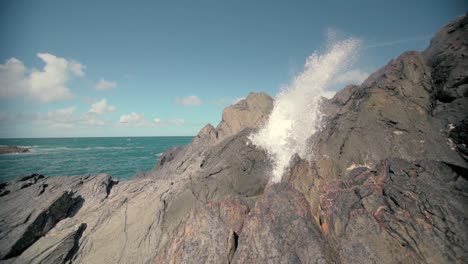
(447,55)
(396,113)
(281,230)
(53,251)
(30,211)
(388,184)
(250,112)
(12,149)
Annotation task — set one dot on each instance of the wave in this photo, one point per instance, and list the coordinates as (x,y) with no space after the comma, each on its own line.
(68,149)
(106,148)
(296,116)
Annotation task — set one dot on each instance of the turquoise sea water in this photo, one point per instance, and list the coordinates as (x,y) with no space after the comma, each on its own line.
(121,157)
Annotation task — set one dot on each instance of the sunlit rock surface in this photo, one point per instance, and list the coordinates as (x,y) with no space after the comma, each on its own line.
(387,184)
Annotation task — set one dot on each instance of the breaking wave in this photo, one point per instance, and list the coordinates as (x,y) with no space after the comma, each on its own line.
(296,116)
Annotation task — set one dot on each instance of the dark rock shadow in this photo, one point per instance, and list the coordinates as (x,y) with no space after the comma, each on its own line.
(76,244)
(79,201)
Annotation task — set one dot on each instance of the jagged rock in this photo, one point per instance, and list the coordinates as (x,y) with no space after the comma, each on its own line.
(250,112)
(395,113)
(169,155)
(208,135)
(233,167)
(29,211)
(208,235)
(281,230)
(349,211)
(51,250)
(459,136)
(447,55)
(388,184)
(401,207)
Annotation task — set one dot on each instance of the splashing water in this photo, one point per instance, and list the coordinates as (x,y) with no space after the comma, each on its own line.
(296,116)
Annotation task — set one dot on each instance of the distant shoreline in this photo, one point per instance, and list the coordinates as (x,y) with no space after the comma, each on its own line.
(13,149)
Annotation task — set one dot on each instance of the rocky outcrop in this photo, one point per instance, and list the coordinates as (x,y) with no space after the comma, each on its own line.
(34,205)
(280,229)
(398,112)
(414,208)
(388,181)
(388,184)
(12,149)
(250,112)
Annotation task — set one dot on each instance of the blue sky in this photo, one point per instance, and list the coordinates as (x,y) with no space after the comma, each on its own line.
(161,68)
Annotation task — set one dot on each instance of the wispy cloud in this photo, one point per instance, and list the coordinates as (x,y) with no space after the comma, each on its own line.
(177,121)
(133,119)
(397,41)
(101,107)
(191,100)
(62,118)
(103,85)
(48,84)
(138,120)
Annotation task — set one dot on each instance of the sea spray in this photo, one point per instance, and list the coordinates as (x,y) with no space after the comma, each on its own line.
(296,115)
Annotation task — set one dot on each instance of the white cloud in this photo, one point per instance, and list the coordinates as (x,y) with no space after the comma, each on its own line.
(157,120)
(55,122)
(105,85)
(67,118)
(65,111)
(101,107)
(12,78)
(60,115)
(351,77)
(132,119)
(94,121)
(48,84)
(191,100)
(177,121)
(63,118)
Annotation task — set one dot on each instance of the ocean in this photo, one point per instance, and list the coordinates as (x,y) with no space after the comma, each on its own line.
(121,157)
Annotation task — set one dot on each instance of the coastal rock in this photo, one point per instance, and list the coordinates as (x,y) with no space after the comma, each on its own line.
(447,56)
(250,112)
(168,155)
(12,149)
(281,230)
(398,206)
(208,235)
(29,211)
(53,251)
(387,184)
(397,112)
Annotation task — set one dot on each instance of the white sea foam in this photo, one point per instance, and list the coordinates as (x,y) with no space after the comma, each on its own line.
(296,116)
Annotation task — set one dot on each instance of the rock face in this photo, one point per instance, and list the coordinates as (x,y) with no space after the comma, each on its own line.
(401,111)
(388,185)
(12,149)
(250,112)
